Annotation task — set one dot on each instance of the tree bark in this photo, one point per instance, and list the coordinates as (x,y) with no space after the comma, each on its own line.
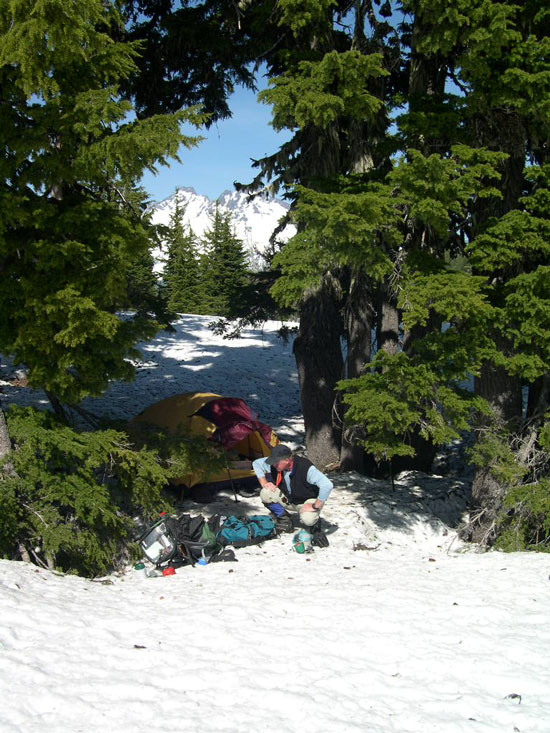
(503,392)
(359,324)
(5,443)
(387,324)
(499,130)
(7,468)
(539,399)
(319,362)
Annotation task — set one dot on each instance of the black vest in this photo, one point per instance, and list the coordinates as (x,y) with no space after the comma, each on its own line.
(300,488)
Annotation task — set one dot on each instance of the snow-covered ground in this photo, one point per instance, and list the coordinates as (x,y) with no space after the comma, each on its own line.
(396,627)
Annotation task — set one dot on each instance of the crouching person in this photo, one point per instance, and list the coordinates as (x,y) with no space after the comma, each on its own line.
(292,482)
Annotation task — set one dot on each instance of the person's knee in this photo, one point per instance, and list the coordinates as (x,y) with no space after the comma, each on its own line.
(269,497)
(308,515)
(308,519)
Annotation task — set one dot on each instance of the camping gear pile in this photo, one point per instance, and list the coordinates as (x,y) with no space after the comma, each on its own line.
(187,540)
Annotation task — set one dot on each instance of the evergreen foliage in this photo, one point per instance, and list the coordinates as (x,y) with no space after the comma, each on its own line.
(74,494)
(208,276)
(524,523)
(182,274)
(68,234)
(461,178)
(145,291)
(191,52)
(62,506)
(226,281)
(78,291)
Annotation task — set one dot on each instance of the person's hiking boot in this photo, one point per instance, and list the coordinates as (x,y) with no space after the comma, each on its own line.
(284,524)
(318,537)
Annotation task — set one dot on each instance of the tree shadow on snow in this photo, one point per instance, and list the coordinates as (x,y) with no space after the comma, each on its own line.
(430,503)
(258,368)
(414,499)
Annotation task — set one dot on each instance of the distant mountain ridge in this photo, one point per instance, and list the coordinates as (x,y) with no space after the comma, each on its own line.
(254,220)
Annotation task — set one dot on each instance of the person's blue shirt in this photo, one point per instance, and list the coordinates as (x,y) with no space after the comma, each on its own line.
(314,476)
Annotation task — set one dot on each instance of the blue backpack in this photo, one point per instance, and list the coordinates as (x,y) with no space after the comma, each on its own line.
(242,531)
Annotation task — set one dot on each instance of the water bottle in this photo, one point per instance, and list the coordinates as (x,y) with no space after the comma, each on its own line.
(202,559)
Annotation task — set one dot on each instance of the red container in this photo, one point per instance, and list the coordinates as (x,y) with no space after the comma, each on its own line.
(169,571)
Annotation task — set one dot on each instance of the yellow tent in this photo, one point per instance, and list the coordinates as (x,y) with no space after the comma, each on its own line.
(227,421)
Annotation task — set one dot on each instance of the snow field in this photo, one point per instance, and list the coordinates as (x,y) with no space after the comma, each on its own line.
(339,640)
(397,627)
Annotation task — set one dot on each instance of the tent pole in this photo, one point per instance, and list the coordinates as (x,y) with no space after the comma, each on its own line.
(231,480)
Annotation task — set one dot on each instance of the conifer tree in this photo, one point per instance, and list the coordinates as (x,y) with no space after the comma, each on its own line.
(330,92)
(497,54)
(226,279)
(182,273)
(460,179)
(146,292)
(68,235)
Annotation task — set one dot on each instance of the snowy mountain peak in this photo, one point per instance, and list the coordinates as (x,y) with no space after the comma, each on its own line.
(254,220)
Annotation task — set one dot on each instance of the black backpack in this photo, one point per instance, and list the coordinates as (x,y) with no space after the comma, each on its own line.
(184,540)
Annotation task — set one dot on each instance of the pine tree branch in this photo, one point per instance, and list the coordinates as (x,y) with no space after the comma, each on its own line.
(33,511)
(125,200)
(39,561)
(57,407)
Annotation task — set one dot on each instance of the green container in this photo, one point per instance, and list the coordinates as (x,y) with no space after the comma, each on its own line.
(140,570)
(301,542)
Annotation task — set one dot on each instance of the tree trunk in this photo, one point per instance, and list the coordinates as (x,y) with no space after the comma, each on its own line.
(7,468)
(387,324)
(503,393)
(319,362)
(5,443)
(501,130)
(359,326)
(57,407)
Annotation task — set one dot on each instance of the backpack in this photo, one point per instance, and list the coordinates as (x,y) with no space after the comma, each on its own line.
(242,531)
(182,540)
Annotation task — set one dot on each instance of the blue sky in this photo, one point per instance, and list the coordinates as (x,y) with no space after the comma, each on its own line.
(224,156)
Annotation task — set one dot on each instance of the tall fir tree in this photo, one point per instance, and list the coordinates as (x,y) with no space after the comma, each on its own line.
(146,291)
(226,277)
(182,274)
(329,87)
